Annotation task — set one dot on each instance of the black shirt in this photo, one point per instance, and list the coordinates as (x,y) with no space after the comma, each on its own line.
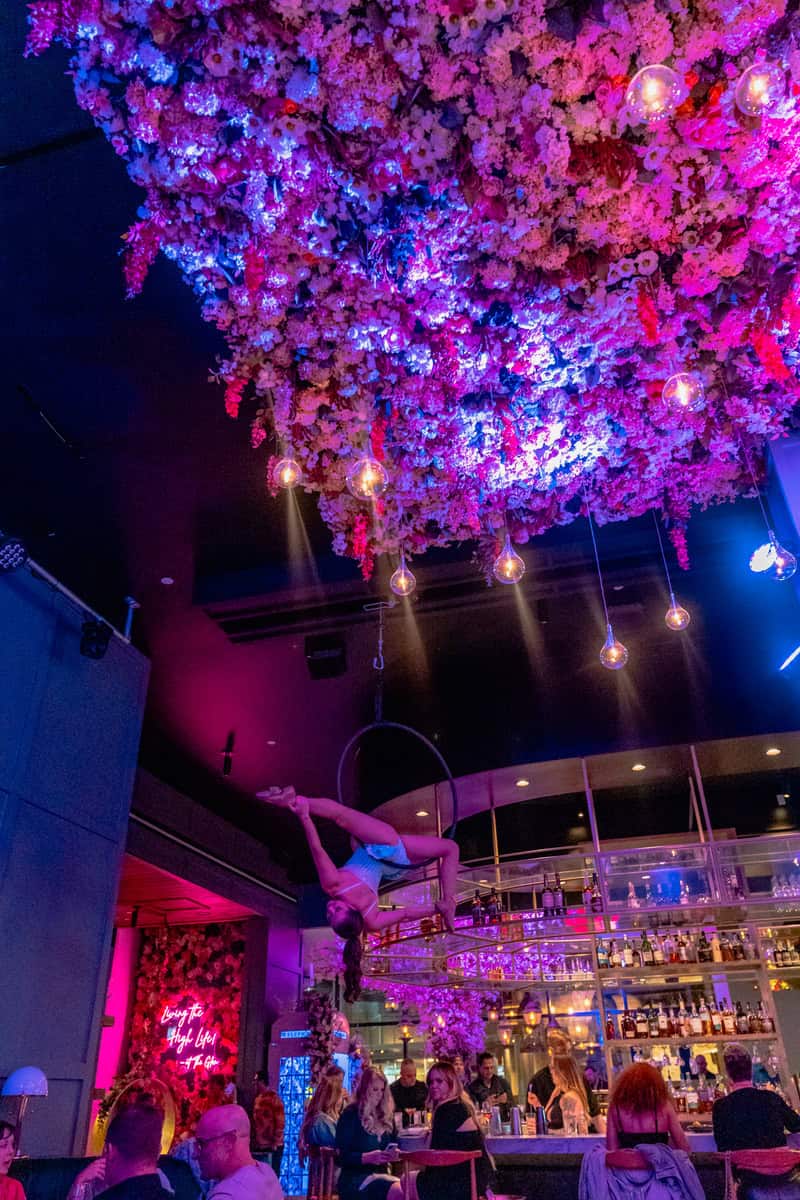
(481,1092)
(408,1097)
(542,1085)
(138,1187)
(752,1119)
(352,1142)
(453,1183)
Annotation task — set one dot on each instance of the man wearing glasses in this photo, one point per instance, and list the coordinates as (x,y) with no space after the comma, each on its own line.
(222,1142)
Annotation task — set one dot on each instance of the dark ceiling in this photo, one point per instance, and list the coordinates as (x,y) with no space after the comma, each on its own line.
(155,481)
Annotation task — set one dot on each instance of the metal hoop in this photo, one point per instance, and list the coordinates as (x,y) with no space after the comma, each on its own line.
(375,725)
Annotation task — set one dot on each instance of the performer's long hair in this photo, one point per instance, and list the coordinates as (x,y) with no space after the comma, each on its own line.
(351,928)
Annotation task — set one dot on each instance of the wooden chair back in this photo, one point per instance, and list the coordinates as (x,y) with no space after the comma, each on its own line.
(443,1158)
(321,1172)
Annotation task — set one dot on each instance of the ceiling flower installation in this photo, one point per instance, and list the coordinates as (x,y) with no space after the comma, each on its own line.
(470,241)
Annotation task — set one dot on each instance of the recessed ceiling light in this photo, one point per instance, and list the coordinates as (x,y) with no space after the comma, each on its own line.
(772,751)
(271,742)
(423,812)
(618,587)
(483,881)
(638,767)
(580,814)
(522,782)
(167,580)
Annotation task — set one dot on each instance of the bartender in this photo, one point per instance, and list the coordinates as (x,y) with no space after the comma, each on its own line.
(490,1088)
(542,1086)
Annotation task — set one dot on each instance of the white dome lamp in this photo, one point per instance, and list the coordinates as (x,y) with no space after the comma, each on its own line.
(24,1083)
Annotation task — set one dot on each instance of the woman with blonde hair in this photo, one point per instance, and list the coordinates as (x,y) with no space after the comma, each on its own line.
(543,1091)
(323,1112)
(454,1127)
(569,1095)
(364,1140)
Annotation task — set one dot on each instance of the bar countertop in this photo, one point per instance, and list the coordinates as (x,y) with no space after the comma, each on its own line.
(554,1143)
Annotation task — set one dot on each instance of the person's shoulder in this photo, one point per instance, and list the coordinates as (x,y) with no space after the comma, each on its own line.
(255,1181)
(541,1075)
(11,1189)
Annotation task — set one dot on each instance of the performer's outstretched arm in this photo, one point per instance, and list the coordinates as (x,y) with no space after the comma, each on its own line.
(327,870)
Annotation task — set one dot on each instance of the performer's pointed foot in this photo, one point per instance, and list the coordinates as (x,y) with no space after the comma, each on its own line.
(446,909)
(280,797)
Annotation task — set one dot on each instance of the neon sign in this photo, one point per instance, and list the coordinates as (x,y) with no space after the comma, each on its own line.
(188,1034)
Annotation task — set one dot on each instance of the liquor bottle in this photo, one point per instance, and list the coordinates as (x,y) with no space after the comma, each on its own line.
(794,954)
(684,893)
(728,1020)
(615,958)
(559,907)
(493,908)
(633,899)
(716,948)
(652,1018)
(477,909)
(695,1022)
(683,948)
(648,958)
(547,898)
(642,1025)
(766,1022)
(691,949)
(637,956)
(703,948)
(742,1023)
(670,949)
(683,1019)
(753,1021)
(705,1017)
(611,1032)
(659,956)
(628,1026)
(727,948)
(716,1020)
(602,956)
(627,953)
(597,899)
(586,895)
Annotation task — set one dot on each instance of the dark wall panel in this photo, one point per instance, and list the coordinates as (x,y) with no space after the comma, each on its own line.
(69,735)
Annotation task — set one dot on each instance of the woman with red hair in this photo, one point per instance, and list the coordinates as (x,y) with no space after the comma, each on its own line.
(640,1112)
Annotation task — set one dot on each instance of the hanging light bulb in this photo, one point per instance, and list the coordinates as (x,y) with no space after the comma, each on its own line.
(654,93)
(676,616)
(613,656)
(773,559)
(508,566)
(760,89)
(403,581)
(366,479)
(287,473)
(684,392)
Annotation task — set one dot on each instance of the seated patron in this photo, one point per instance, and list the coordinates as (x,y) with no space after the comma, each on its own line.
(364,1145)
(10,1189)
(269,1119)
(702,1071)
(545,1092)
(488,1087)
(408,1092)
(222,1139)
(323,1112)
(640,1112)
(454,1127)
(750,1118)
(130,1156)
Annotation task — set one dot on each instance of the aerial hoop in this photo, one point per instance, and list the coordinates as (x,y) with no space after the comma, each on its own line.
(374,726)
(378,665)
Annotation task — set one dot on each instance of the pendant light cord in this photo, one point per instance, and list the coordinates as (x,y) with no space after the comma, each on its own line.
(597,562)
(748,463)
(663,555)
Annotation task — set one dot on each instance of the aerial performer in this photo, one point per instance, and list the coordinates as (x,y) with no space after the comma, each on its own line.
(379,852)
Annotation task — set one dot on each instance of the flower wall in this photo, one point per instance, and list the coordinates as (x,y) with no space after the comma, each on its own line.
(435,230)
(185,1021)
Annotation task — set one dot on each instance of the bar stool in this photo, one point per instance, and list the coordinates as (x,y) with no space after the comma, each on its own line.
(442,1158)
(321,1169)
(769,1164)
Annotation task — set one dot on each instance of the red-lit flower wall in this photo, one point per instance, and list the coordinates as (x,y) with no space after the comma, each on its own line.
(185,1019)
(437,231)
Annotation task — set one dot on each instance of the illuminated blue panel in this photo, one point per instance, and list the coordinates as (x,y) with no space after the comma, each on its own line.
(294,1089)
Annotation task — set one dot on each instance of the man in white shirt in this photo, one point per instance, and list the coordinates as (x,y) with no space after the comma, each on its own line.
(222,1139)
